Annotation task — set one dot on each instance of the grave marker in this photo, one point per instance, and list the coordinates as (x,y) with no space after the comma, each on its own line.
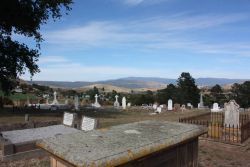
(68,119)
(88,124)
(232,114)
(170,105)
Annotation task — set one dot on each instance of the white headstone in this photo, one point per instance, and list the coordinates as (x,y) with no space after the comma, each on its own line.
(162,106)
(170,105)
(155,106)
(190,105)
(116,103)
(129,105)
(124,104)
(88,124)
(216,108)
(68,119)
(232,115)
(76,102)
(158,110)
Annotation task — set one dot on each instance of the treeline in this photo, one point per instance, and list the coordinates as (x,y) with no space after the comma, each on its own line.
(186,91)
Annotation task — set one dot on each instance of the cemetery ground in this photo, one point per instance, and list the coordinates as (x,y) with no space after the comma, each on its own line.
(210,153)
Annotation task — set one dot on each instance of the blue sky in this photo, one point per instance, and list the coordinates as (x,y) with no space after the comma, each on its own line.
(108,39)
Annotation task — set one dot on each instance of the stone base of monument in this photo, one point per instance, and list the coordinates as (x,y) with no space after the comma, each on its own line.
(147,143)
(21,143)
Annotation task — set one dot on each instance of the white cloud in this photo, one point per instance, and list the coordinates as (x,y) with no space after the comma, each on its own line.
(154,33)
(51,59)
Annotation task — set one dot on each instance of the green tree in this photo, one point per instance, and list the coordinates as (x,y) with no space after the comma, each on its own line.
(241,93)
(171,92)
(217,95)
(188,90)
(23,17)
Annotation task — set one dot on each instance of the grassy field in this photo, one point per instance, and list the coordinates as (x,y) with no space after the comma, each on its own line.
(107,117)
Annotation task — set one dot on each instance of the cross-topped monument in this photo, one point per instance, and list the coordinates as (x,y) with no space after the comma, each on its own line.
(116,103)
(55,99)
(96,104)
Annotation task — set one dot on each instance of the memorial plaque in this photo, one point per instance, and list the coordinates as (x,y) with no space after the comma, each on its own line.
(88,124)
(68,119)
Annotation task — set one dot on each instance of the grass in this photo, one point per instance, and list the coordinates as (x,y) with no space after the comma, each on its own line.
(107,117)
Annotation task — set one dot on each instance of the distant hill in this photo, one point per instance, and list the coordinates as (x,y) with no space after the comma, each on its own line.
(138,83)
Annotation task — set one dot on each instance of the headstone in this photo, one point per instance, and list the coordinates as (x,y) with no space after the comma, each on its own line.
(158,110)
(124,104)
(155,106)
(170,105)
(201,104)
(55,99)
(88,124)
(232,114)
(76,103)
(189,105)
(177,107)
(183,107)
(216,108)
(96,104)
(26,118)
(162,106)
(68,119)
(116,103)
(66,101)
(129,105)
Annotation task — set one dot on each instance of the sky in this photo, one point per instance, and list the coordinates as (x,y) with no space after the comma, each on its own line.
(109,39)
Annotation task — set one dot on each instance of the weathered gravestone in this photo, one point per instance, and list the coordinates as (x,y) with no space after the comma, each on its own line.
(231,114)
(88,123)
(170,105)
(177,107)
(68,119)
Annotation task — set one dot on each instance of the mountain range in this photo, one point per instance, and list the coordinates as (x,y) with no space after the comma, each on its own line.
(136,83)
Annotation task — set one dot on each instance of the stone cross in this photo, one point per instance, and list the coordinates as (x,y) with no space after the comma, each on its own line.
(116,103)
(96,98)
(116,98)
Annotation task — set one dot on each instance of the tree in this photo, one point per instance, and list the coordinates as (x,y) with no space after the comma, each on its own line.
(189,92)
(171,92)
(241,93)
(217,94)
(23,17)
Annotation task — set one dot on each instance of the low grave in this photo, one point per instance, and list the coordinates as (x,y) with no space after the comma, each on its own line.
(18,143)
(147,143)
